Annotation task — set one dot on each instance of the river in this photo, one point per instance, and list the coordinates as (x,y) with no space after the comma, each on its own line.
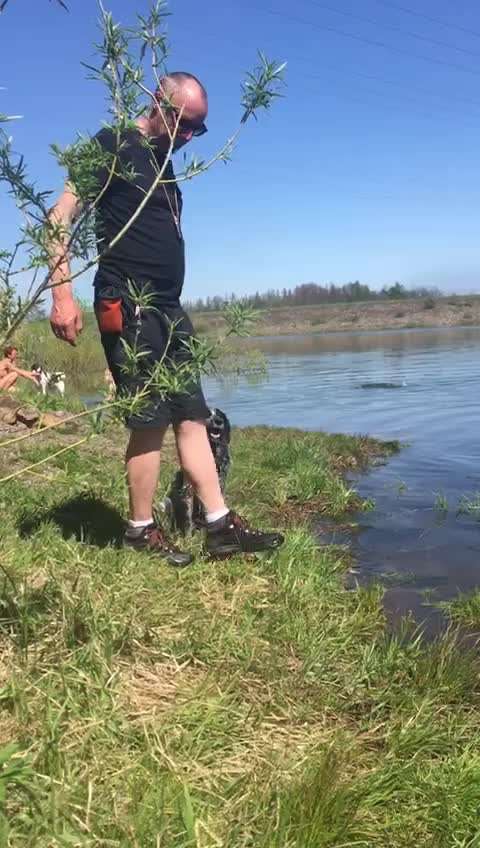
(418,386)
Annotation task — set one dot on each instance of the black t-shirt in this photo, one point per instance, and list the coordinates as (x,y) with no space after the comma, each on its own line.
(152,250)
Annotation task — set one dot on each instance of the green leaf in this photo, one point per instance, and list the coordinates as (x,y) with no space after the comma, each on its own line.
(7,753)
(261,86)
(187,812)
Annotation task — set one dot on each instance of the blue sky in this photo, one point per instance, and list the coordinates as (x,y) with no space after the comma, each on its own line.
(367,168)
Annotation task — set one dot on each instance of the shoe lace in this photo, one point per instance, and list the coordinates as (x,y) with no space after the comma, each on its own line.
(243,525)
(158,539)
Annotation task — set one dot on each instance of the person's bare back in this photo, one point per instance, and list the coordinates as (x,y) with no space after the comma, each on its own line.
(5,367)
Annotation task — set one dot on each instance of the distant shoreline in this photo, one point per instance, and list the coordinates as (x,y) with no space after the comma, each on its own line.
(457,311)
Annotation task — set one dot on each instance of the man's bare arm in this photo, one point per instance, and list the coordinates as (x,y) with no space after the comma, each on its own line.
(29,375)
(65,317)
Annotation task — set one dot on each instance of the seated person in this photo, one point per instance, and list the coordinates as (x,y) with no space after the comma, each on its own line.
(9,371)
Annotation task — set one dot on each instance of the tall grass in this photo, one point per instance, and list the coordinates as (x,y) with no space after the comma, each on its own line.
(251,703)
(465,610)
(84,364)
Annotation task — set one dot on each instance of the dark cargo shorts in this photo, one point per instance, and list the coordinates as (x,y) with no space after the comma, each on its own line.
(148,331)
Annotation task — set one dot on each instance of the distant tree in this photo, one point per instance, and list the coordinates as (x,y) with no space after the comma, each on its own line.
(311,294)
(396,292)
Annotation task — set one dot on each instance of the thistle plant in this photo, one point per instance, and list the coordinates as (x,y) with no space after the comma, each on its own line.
(131,64)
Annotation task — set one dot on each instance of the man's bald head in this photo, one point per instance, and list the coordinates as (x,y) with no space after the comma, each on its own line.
(185,92)
(182,94)
(182,82)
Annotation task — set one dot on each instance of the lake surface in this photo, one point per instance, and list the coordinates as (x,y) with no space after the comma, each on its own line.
(419,386)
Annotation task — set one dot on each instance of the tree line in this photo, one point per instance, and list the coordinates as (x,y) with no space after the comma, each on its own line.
(309,294)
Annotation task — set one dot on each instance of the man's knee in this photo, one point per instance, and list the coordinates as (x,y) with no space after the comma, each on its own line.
(189,428)
(144,441)
(8,381)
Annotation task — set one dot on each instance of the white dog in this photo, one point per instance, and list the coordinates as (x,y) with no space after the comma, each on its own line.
(49,381)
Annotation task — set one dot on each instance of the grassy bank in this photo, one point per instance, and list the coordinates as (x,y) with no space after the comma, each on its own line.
(245,704)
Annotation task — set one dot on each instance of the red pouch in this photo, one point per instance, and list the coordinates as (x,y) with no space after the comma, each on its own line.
(109,315)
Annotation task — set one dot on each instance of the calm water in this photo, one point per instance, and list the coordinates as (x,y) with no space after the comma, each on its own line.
(429,399)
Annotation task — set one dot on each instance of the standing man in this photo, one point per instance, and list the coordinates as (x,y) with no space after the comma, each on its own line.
(151,255)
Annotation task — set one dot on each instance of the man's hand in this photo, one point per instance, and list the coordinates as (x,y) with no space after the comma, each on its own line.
(29,375)
(66,319)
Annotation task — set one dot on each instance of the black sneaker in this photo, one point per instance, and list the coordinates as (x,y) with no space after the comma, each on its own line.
(153,539)
(232,535)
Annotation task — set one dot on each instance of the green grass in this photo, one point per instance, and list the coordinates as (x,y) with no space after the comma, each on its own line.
(441,502)
(248,704)
(465,609)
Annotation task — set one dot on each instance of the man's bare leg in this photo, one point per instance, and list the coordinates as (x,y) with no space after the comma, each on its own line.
(197,460)
(143,467)
(7,383)
(227,533)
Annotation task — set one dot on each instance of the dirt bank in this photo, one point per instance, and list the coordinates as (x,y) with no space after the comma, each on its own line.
(338,317)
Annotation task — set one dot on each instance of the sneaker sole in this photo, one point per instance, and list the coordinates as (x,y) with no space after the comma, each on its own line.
(145,549)
(230,550)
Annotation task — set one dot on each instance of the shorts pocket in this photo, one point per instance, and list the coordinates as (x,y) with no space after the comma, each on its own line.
(109,314)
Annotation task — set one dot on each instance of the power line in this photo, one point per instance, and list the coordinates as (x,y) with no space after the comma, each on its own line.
(397,84)
(402,98)
(338,94)
(425,17)
(347,71)
(303,65)
(370,41)
(395,29)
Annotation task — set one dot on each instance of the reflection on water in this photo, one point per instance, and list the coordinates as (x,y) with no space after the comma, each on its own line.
(426,394)
(388,340)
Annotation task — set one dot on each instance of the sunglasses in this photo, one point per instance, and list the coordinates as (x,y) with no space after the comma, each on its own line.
(185,126)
